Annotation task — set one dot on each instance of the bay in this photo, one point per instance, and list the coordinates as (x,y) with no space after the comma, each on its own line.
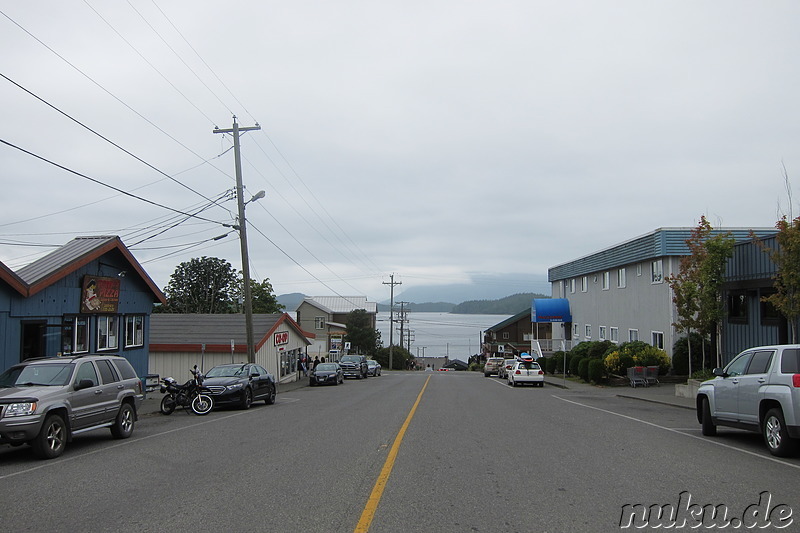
(457,336)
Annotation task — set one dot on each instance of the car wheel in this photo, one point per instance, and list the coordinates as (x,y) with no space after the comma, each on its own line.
(123,425)
(52,438)
(776,436)
(247,401)
(709,429)
(270,399)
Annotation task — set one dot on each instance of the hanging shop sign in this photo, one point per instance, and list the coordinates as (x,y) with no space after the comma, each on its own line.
(99,295)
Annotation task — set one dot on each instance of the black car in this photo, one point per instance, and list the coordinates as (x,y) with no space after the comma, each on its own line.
(326,374)
(240,384)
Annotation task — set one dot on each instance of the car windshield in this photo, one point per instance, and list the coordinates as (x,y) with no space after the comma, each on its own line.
(370,362)
(326,367)
(227,371)
(56,374)
(351,359)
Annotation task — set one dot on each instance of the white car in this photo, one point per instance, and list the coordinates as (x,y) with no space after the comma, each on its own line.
(502,372)
(526,372)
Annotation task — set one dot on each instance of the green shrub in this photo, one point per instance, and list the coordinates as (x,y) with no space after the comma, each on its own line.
(580,350)
(652,356)
(703,374)
(680,354)
(598,349)
(572,364)
(596,370)
(583,368)
(555,364)
(618,363)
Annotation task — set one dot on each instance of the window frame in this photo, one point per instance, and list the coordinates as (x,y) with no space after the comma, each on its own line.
(106,331)
(657,339)
(606,280)
(134,331)
(319,322)
(76,325)
(622,278)
(633,334)
(657,271)
(614,334)
(601,332)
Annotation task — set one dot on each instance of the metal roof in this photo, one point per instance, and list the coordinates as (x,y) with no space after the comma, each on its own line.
(61,257)
(342,304)
(217,329)
(662,242)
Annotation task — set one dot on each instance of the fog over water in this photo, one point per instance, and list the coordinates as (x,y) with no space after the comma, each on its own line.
(441,334)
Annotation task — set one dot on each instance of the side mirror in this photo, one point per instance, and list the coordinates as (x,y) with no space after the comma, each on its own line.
(255,375)
(720,373)
(84,384)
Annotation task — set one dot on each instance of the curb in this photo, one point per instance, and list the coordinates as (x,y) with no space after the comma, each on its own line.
(662,402)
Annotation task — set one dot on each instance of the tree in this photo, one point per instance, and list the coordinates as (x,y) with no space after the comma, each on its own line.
(787,278)
(363,338)
(697,288)
(263,295)
(203,285)
(400,358)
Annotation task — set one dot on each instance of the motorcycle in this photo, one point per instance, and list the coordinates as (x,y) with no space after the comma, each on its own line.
(191,395)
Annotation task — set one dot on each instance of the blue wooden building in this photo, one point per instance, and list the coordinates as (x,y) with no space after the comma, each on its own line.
(749,320)
(88,296)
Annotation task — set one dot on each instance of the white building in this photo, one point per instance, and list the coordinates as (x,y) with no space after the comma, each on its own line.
(621,294)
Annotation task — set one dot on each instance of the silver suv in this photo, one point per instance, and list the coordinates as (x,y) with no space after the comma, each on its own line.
(46,401)
(759,391)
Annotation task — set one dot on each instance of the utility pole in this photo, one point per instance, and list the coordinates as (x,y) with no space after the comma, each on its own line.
(248,301)
(391,315)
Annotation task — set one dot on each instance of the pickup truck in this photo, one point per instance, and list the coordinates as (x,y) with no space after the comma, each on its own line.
(759,390)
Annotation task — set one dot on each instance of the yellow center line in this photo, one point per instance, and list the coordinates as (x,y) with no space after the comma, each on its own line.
(377,491)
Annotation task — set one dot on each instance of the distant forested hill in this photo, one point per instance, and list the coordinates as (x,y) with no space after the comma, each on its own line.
(510,305)
(428,307)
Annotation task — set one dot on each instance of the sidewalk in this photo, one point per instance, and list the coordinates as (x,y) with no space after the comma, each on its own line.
(663,393)
(152,403)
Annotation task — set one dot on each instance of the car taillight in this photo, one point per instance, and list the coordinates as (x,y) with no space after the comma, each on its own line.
(517,372)
(796,380)
(540,372)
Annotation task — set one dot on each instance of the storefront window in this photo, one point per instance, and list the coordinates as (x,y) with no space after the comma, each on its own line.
(134,331)
(75,335)
(107,332)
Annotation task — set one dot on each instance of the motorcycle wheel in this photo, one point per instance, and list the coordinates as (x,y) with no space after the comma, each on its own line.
(167,404)
(202,404)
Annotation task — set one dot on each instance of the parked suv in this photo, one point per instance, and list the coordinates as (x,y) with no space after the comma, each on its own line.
(759,391)
(46,401)
(354,366)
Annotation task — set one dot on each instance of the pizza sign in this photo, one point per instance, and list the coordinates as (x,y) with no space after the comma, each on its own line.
(281,337)
(99,295)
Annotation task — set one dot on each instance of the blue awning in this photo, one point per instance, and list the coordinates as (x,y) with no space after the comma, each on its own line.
(550,310)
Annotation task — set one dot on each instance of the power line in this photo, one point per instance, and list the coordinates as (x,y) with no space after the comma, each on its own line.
(126,193)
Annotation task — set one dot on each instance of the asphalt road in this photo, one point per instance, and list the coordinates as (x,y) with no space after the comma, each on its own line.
(476,456)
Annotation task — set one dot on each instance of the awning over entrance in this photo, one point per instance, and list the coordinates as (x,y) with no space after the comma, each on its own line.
(550,310)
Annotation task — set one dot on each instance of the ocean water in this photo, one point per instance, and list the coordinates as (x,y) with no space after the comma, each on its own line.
(440,334)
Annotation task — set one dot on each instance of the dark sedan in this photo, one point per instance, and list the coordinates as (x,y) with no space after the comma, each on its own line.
(326,374)
(373,367)
(240,384)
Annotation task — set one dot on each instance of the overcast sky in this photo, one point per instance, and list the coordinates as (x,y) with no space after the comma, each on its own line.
(437,140)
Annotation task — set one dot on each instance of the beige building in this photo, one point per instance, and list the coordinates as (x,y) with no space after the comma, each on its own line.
(326,318)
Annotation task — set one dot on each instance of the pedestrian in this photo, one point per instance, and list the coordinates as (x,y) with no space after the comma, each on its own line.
(316,362)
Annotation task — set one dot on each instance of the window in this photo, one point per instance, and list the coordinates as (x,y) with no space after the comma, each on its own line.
(134,331)
(107,372)
(606,280)
(505,335)
(614,334)
(790,362)
(86,371)
(738,365)
(737,307)
(574,331)
(622,278)
(770,316)
(602,333)
(633,335)
(75,335)
(760,362)
(657,271)
(658,339)
(584,283)
(572,285)
(639,269)
(107,332)
(319,322)
(588,332)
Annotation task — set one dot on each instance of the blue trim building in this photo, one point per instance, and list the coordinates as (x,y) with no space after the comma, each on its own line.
(88,296)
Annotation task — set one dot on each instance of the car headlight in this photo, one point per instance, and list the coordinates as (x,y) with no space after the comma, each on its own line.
(20,409)
(235,386)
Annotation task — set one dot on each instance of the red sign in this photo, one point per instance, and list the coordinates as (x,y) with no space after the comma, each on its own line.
(281,337)
(99,295)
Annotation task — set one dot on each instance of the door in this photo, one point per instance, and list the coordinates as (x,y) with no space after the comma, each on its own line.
(750,384)
(87,404)
(33,340)
(726,389)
